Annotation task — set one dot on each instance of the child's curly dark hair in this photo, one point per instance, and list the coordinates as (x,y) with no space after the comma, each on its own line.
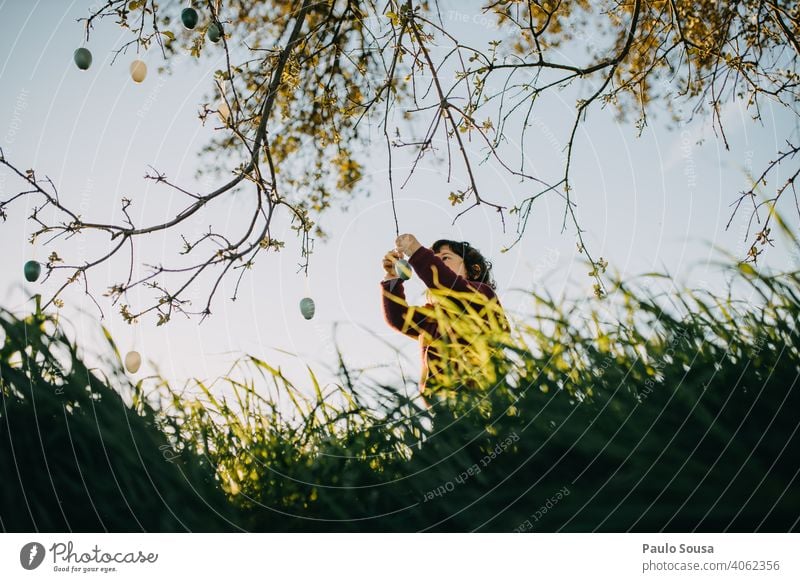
(478,267)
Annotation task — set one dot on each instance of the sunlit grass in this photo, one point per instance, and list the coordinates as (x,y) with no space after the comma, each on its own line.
(674,411)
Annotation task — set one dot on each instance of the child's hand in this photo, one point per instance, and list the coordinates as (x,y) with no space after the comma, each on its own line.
(407,244)
(388,263)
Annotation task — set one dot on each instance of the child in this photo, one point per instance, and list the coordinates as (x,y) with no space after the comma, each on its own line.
(462,304)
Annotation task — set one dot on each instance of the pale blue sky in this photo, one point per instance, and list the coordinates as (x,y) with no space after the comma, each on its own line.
(646,203)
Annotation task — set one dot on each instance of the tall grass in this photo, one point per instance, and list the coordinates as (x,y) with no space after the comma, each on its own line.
(636,413)
(80,450)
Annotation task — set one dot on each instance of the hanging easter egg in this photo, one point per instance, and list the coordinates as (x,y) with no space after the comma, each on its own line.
(133,361)
(403,269)
(214,32)
(83,58)
(307,307)
(138,71)
(189,17)
(32,270)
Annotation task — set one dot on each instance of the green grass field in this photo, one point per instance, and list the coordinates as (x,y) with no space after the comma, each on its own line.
(632,413)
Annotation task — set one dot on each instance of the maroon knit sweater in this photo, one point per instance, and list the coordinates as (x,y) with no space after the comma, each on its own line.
(408,319)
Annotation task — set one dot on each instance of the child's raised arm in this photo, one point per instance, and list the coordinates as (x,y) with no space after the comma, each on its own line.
(408,320)
(433,271)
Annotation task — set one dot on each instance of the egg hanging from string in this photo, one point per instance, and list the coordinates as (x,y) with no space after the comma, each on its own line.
(82,58)
(214,32)
(133,361)
(307,307)
(32,271)
(138,71)
(189,17)
(403,269)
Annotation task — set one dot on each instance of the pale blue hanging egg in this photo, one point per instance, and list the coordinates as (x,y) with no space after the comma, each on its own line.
(307,307)
(403,269)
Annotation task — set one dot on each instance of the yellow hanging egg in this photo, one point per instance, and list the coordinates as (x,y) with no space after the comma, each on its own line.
(133,361)
(138,71)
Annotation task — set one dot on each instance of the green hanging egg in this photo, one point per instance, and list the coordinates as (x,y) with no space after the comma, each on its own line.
(32,270)
(189,17)
(403,269)
(214,32)
(83,58)
(307,307)
(133,361)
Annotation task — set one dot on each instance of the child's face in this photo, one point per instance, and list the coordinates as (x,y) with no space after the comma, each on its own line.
(452,260)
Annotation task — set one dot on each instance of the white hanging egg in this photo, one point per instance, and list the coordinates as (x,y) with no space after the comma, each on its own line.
(133,361)
(138,71)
